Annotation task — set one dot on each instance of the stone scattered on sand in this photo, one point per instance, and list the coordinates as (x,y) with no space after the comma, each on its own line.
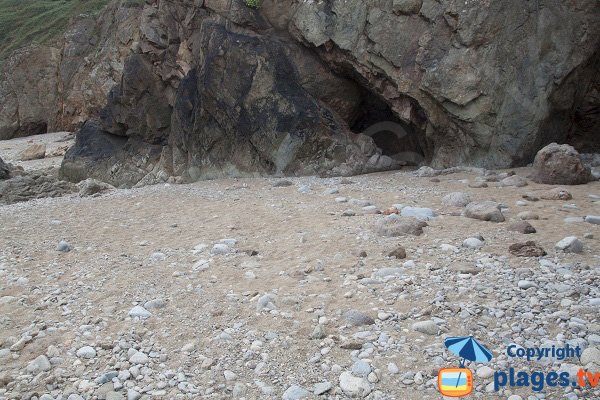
(527,249)
(399,252)
(570,244)
(91,187)
(358,318)
(428,327)
(456,199)
(34,152)
(523,227)
(560,165)
(556,194)
(396,225)
(514,180)
(484,211)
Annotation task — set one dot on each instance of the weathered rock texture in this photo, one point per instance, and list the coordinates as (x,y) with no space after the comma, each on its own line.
(57,86)
(560,165)
(215,88)
(4,170)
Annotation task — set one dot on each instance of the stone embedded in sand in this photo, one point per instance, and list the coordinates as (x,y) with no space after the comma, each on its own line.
(358,318)
(523,227)
(527,249)
(421,213)
(396,225)
(283,183)
(295,392)
(427,327)
(528,215)
(354,387)
(560,165)
(86,352)
(456,199)
(266,303)
(570,244)
(514,180)
(399,252)
(484,211)
(139,312)
(556,194)
(39,364)
(33,152)
(593,219)
(63,247)
(90,187)
(472,243)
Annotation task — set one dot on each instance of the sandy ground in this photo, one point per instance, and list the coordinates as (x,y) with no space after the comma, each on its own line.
(132,246)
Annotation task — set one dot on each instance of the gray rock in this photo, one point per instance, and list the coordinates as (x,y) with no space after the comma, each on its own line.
(358,318)
(220,249)
(472,243)
(570,244)
(295,392)
(591,355)
(63,247)
(266,302)
(114,396)
(139,312)
(139,358)
(484,211)
(593,219)
(524,284)
(361,368)
(155,304)
(514,180)
(133,395)
(39,364)
(322,388)
(86,352)
(456,199)
(395,225)
(427,327)
(91,187)
(406,6)
(354,387)
(423,214)
(523,227)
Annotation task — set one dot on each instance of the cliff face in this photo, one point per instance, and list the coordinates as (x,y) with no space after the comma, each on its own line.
(214,88)
(45,88)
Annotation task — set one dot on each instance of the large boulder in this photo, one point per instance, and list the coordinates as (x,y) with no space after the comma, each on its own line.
(33,185)
(560,164)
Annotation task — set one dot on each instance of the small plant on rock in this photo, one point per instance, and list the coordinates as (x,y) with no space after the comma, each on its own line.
(253,3)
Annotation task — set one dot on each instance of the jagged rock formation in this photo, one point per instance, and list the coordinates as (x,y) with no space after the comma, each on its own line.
(215,88)
(55,87)
(4,170)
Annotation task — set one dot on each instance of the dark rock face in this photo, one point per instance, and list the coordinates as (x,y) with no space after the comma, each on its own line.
(233,104)
(4,170)
(560,165)
(218,89)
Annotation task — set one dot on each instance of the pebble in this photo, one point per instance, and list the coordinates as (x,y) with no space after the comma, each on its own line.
(139,312)
(63,247)
(220,249)
(427,327)
(139,358)
(472,243)
(570,244)
(361,368)
(358,318)
(295,392)
(322,388)
(456,199)
(423,214)
(593,219)
(86,352)
(353,386)
(524,284)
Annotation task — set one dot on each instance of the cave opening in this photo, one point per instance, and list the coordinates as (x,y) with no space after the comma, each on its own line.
(401,139)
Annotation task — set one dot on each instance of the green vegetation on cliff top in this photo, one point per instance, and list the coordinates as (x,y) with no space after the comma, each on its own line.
(23,22)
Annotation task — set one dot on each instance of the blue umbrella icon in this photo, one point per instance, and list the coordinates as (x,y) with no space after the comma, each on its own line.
(468,348)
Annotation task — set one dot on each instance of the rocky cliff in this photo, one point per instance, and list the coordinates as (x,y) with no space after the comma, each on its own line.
(213,88)
(59,85)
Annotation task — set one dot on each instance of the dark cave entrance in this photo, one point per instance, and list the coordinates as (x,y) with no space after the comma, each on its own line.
(401,140)
(575,114)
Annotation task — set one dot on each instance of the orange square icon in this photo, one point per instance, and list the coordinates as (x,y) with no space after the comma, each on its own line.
(455,382)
